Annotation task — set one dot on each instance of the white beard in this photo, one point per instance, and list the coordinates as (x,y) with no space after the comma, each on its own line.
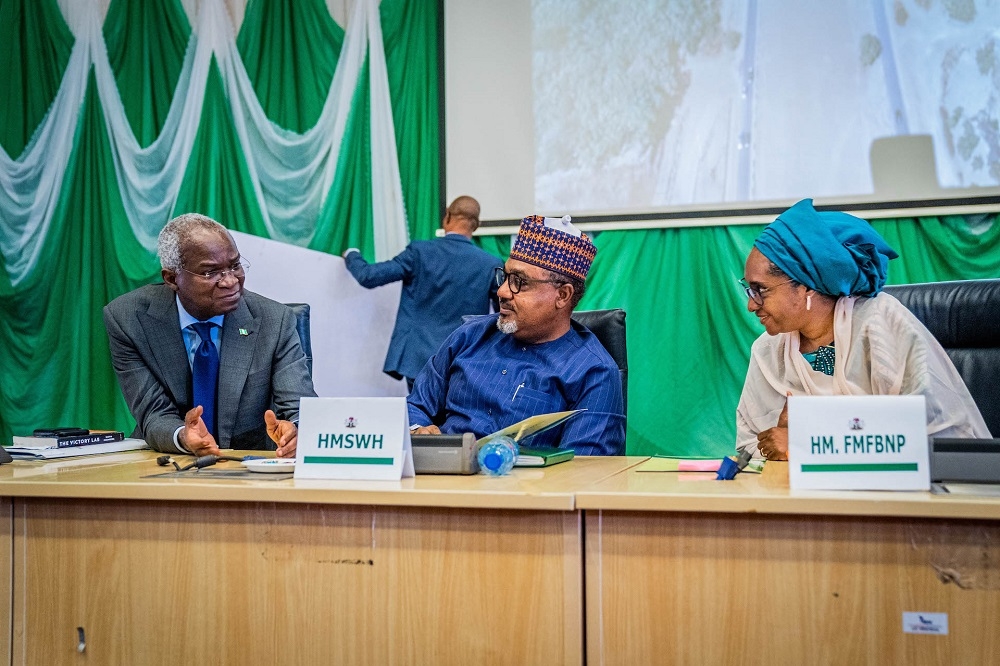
(507,327)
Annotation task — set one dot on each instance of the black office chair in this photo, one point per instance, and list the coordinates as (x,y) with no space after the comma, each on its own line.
(609,327)
(301,311)
(964,316)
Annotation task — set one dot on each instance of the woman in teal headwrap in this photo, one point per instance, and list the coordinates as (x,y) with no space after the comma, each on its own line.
(814,280)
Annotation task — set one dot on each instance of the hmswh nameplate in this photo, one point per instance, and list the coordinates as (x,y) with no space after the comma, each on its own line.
(353,438)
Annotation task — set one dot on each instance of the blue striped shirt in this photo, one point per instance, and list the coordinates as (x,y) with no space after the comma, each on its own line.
(482,380)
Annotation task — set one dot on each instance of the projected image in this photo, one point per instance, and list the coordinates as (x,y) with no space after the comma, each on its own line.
(641,106)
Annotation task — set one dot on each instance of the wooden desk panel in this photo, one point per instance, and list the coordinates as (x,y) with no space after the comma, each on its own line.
(6,577)
(722,589)
(238,583)
(695,571)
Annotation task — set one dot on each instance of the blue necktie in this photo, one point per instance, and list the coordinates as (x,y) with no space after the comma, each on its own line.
(205,374)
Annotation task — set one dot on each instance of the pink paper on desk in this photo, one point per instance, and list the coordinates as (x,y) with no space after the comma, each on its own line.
(699,465)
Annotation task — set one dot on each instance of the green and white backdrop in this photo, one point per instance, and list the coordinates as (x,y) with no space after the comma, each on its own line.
(294,128)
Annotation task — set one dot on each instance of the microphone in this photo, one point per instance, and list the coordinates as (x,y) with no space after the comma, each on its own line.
(206,461)
(163,461)
(199,462)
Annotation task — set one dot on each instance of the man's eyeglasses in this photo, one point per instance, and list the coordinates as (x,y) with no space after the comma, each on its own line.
(758,295)
(518,282)
(237,270)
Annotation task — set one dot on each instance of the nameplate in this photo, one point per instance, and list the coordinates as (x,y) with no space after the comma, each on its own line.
(858,443)
(353,438)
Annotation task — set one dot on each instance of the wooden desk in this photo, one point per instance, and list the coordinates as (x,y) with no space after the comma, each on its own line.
(676,568)
(430,570)
(682,569)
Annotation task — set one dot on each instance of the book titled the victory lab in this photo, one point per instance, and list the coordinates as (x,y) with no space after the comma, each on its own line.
(92,437)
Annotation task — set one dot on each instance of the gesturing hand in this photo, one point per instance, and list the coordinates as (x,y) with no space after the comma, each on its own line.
(195,436)
(282,433)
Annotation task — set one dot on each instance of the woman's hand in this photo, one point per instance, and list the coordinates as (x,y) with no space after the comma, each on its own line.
(773,442)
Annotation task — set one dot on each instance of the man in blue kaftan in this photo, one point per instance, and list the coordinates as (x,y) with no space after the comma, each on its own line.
(531,358)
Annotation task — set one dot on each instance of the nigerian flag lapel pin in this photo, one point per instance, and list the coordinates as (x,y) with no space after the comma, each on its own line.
(244,331)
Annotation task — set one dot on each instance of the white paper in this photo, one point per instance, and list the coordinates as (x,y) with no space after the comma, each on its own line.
(69,451)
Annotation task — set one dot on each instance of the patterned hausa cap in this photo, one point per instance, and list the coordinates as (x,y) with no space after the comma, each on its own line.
(554,244)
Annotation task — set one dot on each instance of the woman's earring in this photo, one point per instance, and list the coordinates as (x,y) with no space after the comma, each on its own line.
(809,301)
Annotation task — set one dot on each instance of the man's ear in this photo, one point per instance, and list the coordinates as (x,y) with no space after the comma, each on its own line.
(564,295)
(169,278)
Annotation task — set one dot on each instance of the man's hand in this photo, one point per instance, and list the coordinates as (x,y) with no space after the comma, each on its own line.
(773,442)
(349,250)
(426,430)
(195,436)
(282,433)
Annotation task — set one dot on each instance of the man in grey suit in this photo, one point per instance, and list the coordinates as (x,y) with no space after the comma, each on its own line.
(443,279)
(202,363)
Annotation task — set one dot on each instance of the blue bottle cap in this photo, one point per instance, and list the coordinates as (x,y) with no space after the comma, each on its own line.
(492,461)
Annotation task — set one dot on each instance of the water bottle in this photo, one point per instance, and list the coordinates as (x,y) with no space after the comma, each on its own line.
(497,456)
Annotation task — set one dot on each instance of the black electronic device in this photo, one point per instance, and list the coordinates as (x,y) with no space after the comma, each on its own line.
(956,460)
(59,432)
(445,454)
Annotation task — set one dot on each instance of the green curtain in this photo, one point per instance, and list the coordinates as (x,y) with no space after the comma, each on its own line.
(496,245)
(146,43)
(216,182)
(351,197)
(410,34)
(290,50)
(54,361)
(934,249)
(35,43)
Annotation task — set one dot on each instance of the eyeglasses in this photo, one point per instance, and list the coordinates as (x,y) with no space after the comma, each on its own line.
(758,295)
(518,282)
(237,270)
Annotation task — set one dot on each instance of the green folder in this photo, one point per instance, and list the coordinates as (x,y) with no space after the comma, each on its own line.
(542,457)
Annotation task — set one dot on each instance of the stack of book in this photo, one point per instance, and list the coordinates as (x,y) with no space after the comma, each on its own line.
(59,445)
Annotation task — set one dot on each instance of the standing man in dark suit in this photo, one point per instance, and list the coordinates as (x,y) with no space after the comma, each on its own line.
(202,363)
(443,279)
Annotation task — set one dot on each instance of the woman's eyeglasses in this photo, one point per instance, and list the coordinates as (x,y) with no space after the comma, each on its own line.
(758,295)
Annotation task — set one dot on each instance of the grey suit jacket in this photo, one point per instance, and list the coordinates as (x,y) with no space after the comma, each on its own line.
(261,366)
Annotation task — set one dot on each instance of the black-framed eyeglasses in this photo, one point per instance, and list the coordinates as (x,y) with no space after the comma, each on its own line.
(758,295)
(518,282)
(237,270)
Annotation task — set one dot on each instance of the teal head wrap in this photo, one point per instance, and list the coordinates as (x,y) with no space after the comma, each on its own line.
(831,252)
